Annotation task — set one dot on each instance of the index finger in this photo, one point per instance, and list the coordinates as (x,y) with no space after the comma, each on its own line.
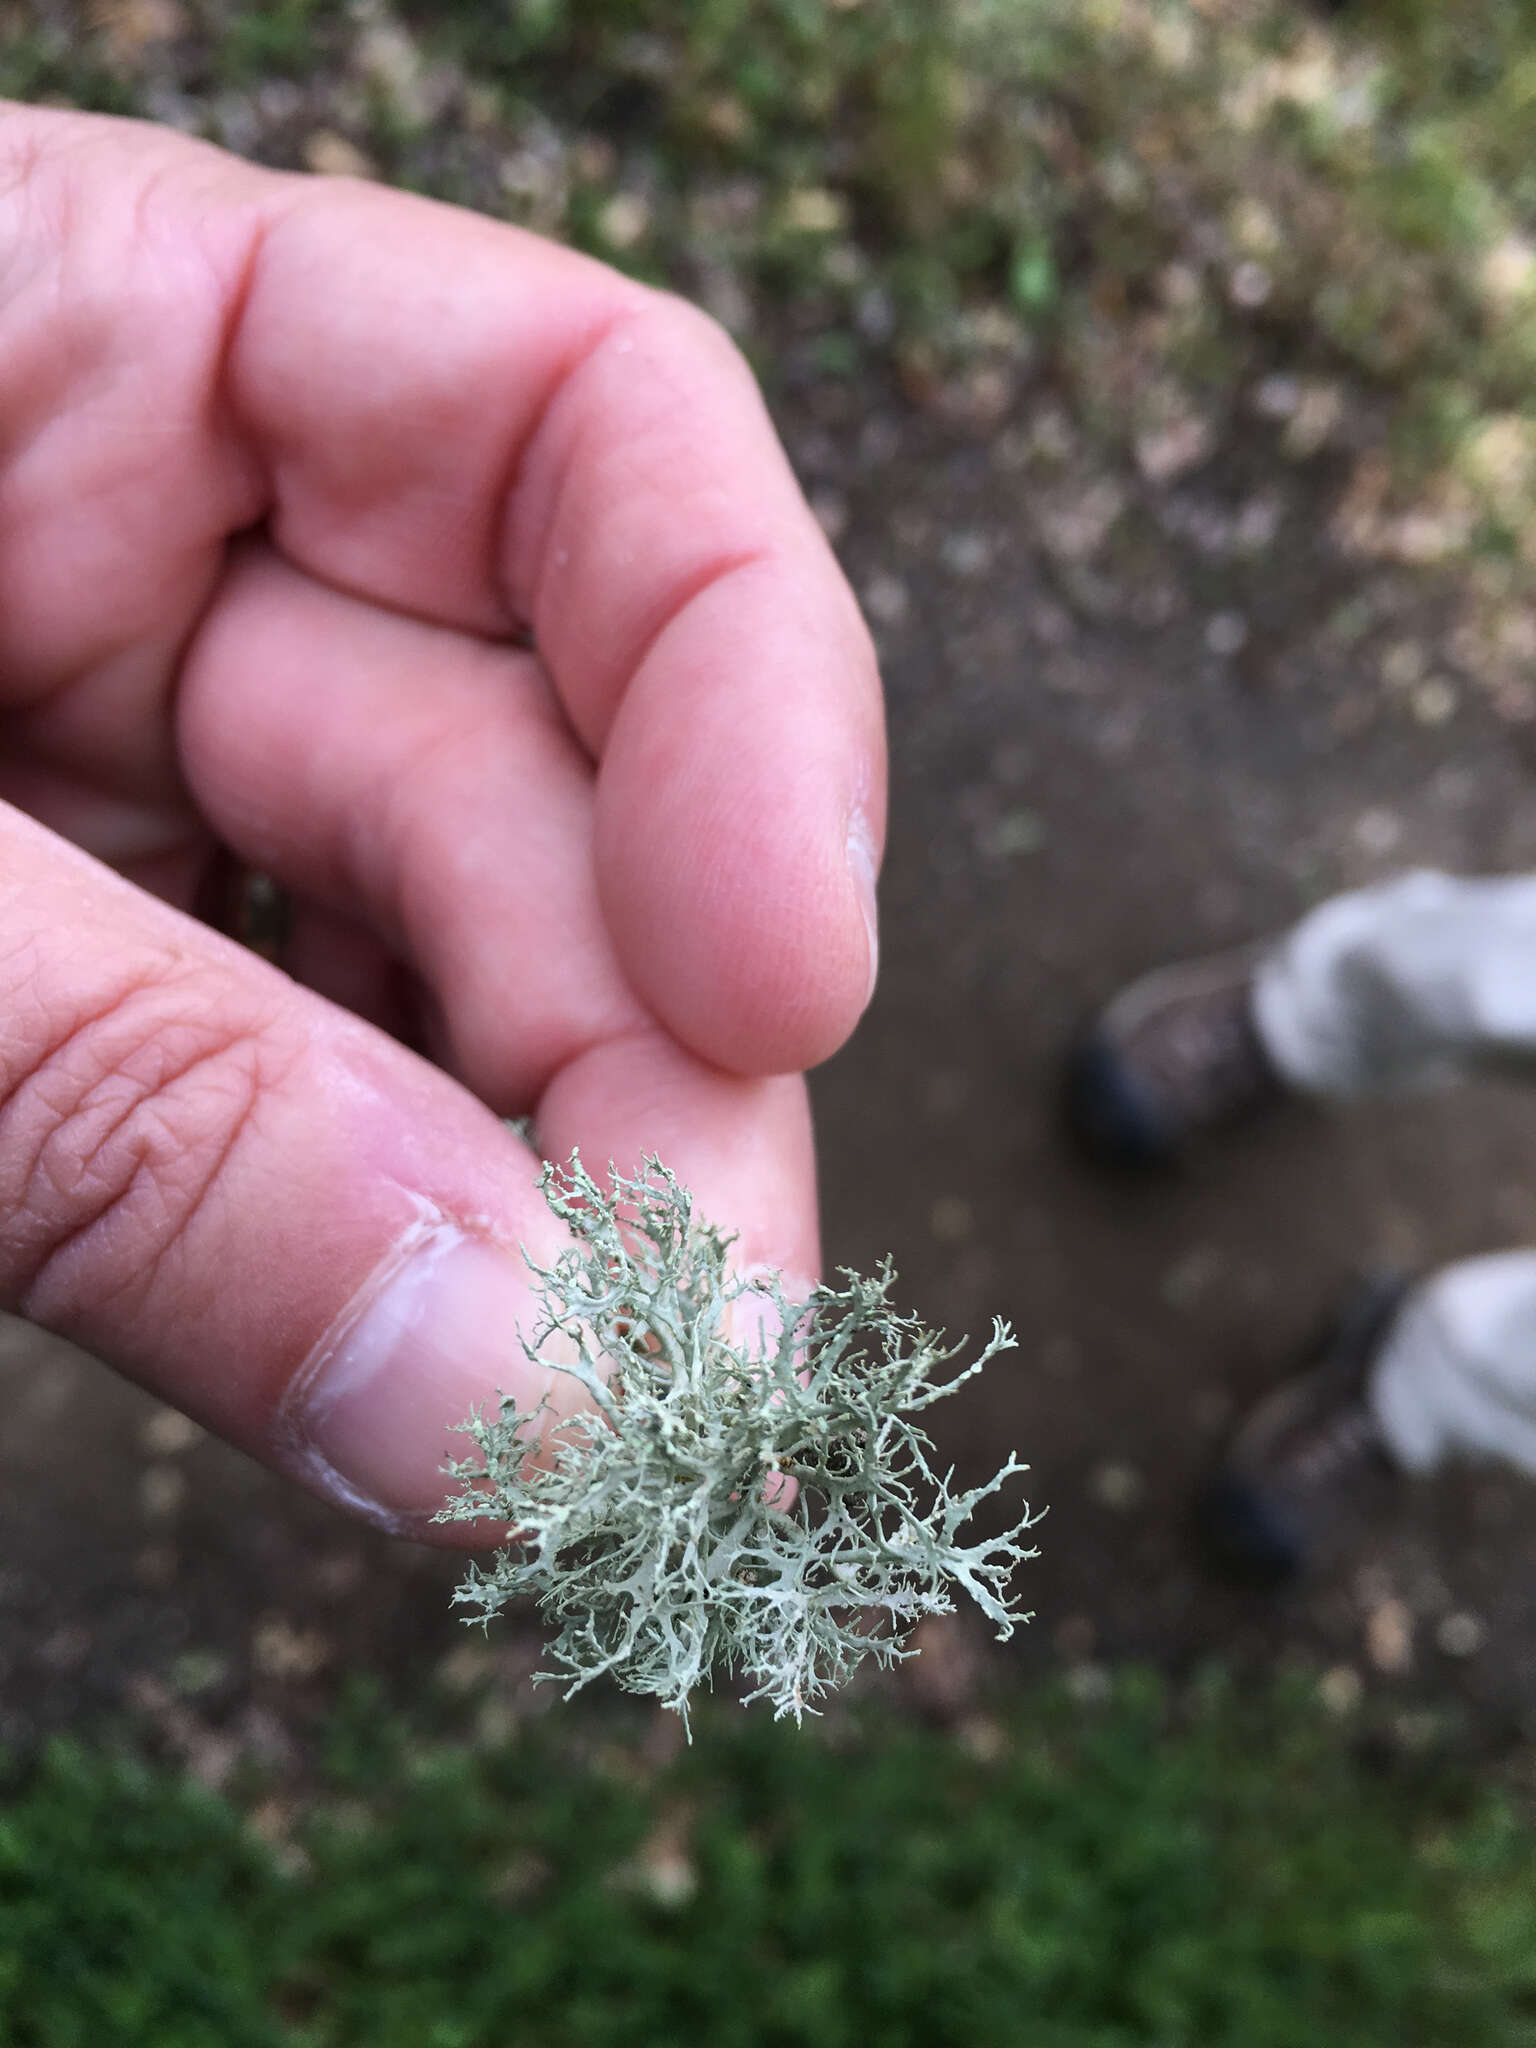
(455,419)
(487,429)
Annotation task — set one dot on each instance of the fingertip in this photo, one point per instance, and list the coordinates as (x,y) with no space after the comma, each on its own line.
(744,1148)
(739,821)
(752,975)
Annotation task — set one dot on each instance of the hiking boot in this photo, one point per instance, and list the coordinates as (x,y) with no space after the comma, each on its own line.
(1308,1458)
(1172,1055)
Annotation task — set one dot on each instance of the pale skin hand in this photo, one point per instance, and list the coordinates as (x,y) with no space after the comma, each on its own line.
(291,472)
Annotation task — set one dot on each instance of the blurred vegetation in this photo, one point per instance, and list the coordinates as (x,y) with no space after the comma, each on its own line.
(1094,1872)
(1150,203)
(1177,218)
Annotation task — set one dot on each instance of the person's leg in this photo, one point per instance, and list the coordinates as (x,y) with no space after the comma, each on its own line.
(1421,979)
(1455,1376)
(1410,1378)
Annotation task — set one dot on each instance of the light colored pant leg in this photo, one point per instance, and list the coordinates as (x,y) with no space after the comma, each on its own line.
(1422,980)
(1456,1377)
(1417,981)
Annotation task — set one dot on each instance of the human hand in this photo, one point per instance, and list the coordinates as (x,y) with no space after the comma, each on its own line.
(290,470)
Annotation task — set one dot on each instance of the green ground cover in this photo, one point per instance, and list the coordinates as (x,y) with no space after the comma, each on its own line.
(1051,157)
(1150,211)
(1087,1873)
(1167,213)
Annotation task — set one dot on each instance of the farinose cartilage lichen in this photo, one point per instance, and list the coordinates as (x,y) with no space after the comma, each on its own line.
(648,1532)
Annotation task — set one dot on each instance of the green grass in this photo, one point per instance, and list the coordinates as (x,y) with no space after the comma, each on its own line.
(1067,185)
(276,40)
(1228,1874)
(1044,159)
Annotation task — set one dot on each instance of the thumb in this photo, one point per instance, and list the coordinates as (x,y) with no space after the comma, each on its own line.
(245,1199)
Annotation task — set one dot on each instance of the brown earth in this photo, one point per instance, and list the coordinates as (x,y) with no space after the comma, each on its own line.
(1082,787)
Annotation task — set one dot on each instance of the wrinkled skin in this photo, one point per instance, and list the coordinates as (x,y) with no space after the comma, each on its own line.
(295,476)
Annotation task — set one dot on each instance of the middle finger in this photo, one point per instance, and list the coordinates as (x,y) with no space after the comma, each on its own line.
(423,780)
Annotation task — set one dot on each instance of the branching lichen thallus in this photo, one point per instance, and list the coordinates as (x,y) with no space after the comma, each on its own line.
(653,1530)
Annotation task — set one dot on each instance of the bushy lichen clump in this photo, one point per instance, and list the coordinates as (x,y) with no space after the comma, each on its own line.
(649,1532)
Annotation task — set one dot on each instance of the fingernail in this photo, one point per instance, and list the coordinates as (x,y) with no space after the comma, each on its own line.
(863,865)
(371,1418)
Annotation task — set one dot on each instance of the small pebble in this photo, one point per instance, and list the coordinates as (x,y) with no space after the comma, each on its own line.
(670,1879)
(1089,1684)
(465,1667)
(1434,702)
(982,1739)
(339,1574)
(329,155)
(1015,832)
(1168,451)
(966,555)
(886,600)
(196,1671)
(814,210)
(1116,1486)
(726,118)
(1389,1637)
(129,27)
(1276,398)
(279,1650)
(1319,409)
(1179,285)
(625,220)
(1250,285)
(1052,435)
(1257,524)
(1226,634)
(594,159)
(168,1433)
(161,1491)
(1403,664)
(1012,449)
(1378,831)
(1460,1635)
(1340,1689)
(875,314)
(831,512)
(495,1723)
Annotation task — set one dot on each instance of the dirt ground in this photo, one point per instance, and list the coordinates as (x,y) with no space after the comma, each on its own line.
(1107,751)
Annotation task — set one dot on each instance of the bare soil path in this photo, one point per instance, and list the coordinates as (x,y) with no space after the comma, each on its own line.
(1116,740)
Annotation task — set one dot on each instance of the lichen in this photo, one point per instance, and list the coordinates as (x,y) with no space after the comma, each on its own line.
(652,1528)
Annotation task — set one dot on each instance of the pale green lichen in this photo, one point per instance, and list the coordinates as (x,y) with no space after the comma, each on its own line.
(648,1532)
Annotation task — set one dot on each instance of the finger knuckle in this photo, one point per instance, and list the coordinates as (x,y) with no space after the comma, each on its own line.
(693,337)
(118,1118)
